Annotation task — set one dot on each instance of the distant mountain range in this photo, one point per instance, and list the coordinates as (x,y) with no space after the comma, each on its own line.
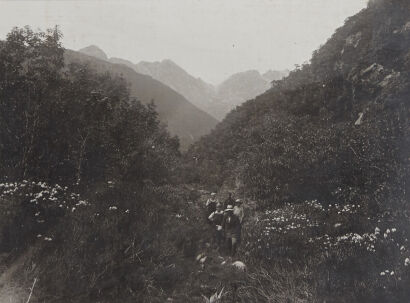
(215,100)
(182,118)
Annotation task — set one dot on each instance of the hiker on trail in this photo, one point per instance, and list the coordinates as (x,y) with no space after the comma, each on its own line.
(217,218)
(229,201)
(211,205)
(232,228)
(238,210)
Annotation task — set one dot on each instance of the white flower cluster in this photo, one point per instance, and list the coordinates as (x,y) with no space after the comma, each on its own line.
(293,218)
(48,239)
(43,194)
(286,219)
(387,273)
(365,240)
(315,204)
(333,229)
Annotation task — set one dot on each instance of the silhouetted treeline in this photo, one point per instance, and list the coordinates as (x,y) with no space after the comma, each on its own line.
(68,124)
(84,174)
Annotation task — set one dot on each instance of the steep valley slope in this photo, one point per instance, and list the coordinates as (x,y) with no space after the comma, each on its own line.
(181,117)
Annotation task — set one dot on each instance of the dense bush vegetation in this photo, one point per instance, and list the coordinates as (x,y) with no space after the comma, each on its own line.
(336,131)
(68,124)
(67,132)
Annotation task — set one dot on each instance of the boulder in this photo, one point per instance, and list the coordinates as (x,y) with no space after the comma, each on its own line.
(239,265)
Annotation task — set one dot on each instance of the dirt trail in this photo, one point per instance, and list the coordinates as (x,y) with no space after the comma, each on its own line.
(215,271)
(10,289)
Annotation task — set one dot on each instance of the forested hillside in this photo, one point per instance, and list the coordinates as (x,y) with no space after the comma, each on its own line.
(66,123)
(324,155)
(340,121)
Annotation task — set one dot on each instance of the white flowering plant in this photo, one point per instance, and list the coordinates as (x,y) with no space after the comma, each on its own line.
(348,242)
(28,209)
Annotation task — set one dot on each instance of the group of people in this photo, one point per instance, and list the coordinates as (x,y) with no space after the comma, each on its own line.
(226,219)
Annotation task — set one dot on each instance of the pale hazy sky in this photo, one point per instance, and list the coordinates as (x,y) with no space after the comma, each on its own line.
(211,39)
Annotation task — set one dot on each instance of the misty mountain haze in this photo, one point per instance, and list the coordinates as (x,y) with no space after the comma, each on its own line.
(216,100)
(182,118)
(94,51)
(198,92)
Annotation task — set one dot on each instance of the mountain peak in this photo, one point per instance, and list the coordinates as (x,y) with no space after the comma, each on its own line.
(249,72)
(168,62)
(273,75)
(94,51)
(248,75)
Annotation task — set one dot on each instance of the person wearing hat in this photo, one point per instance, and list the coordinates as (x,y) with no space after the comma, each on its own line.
(211,205)
(217,218)
(232,227)
(229,201)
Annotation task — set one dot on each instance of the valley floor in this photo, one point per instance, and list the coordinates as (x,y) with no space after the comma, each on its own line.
(302,252)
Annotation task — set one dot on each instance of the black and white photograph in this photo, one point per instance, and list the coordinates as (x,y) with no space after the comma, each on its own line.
(204,151)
